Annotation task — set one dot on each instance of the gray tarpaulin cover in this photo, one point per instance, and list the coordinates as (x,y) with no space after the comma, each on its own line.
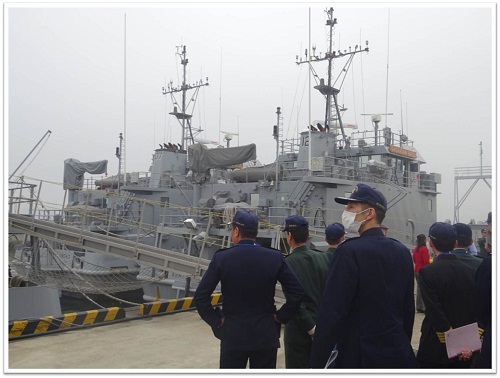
(202,158)
(74,170)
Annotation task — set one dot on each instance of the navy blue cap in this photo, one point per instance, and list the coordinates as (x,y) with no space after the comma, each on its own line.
(463,230)
(334,231)
(366,194)
(489,218)
(484,230)
(294,222)
(245,219)
(442,231)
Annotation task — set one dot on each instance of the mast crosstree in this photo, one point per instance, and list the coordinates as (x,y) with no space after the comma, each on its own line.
(182,116)
(333,119)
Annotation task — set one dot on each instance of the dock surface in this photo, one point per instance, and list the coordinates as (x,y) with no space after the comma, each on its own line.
(174,341)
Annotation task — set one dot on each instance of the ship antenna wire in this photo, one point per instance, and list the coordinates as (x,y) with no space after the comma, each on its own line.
(124,100)
(407,126)
(387,77)
(310,122)
(401,106)
(203,121)
(47,134)
(166,112)
(362,84)
(220,92)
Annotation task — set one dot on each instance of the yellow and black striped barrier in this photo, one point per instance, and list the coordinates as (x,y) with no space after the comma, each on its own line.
(154,308)
(18,328)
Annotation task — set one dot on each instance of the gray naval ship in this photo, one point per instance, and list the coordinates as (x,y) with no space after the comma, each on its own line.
(190,192)
(184,201)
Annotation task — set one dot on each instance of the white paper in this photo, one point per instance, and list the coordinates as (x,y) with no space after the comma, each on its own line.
(466,337)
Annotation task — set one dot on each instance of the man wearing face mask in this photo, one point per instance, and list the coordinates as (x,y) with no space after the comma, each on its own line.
(367,309)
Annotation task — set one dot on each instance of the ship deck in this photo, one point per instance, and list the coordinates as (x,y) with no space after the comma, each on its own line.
(174,341)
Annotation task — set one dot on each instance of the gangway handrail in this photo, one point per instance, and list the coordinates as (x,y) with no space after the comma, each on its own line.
(160,258)
(142,253)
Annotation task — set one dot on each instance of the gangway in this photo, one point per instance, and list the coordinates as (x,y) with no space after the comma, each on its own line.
(160,258)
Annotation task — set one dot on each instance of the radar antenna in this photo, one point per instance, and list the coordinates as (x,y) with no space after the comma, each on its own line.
(376,118)
(228,136)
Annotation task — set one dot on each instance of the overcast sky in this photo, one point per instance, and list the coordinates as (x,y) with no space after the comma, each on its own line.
(67,70)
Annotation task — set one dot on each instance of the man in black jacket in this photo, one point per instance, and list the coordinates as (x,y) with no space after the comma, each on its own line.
(367,309)
(481,302)
(446,286)
(248,324)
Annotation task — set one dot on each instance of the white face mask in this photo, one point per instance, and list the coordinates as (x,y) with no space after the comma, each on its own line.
(349,223)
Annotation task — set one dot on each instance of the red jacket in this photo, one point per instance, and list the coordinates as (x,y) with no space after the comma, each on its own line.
(420,257)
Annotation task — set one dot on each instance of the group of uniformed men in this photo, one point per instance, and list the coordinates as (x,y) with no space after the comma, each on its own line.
(351,307)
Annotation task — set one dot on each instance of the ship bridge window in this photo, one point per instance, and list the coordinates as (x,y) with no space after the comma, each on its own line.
(363,160)
(401,165)
(413,167)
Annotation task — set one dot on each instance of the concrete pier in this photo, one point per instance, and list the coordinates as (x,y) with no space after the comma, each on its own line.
(175,341)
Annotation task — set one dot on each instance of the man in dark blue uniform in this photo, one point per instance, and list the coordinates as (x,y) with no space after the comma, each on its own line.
(248,324)
(481,302)
(367,309)
(446,286)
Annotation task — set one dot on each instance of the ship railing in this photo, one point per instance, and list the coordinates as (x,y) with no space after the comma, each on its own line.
(175,217)
(89,183)
(380,137)
(340,168)
(472,172)
(22,197)
(355,171)
(277,214)
(324,167)
(296,173)
(109,217)
(120,214)
(55,216)
(290,146)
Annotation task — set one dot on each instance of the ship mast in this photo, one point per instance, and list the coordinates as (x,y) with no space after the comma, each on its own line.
(182,116)
(330,93)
